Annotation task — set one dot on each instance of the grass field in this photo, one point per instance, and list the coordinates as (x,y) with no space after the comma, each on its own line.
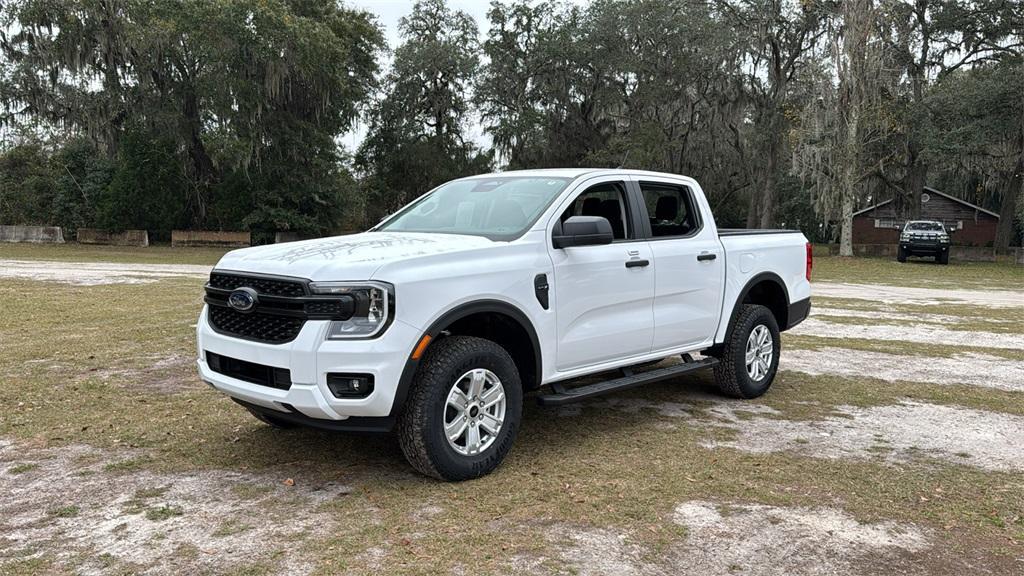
(115,459)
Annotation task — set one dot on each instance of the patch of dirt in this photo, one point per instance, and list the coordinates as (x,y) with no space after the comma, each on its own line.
(87,518)
(922,333)
(757,539)
(166,375)
(97,273)
(888,313)
(749,539)
(909,295)
(965,368)
(901,432)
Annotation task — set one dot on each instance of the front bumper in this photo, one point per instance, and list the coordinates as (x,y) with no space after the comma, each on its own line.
(310,357)
(923,247)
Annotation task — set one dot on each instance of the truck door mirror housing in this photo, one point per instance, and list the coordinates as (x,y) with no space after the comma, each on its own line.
(583,231)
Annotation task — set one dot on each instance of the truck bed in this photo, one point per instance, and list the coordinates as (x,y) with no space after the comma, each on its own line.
(753,231)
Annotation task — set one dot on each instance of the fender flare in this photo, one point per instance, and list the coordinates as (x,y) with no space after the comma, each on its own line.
(447,319)
(754,281)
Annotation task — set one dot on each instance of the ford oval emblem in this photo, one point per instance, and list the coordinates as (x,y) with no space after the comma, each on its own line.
(243,300)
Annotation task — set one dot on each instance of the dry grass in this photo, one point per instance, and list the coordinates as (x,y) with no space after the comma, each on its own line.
(923,274)
(72,252)
(77,365)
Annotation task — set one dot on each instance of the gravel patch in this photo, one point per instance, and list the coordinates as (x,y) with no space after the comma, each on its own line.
(750,539)
(922,333)
(963,368)
(987,440)
(888,314)
(909,295)
(98,273)
(755,539)
(68,505)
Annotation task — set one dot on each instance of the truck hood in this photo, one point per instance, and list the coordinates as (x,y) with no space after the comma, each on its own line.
(354,257)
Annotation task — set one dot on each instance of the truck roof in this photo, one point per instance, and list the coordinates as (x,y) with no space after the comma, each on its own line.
(574,172)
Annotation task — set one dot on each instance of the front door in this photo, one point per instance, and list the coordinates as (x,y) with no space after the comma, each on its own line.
(603,294)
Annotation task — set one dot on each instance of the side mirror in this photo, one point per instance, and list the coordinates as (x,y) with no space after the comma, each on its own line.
(583,231)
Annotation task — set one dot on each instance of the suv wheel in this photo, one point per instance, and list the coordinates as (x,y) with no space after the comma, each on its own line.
(750,356)
(901,254)
(943,257)
(463,410)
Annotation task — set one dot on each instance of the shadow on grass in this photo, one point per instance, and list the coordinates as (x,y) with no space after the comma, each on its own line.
(545,434)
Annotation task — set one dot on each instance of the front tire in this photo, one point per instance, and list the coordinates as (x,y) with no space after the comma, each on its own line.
(463,410)
(749,357)
(943,258)
(901,254)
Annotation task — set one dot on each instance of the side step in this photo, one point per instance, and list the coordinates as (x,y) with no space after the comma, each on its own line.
(563,395)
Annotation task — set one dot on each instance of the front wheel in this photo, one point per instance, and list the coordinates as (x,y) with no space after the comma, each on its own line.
(943,257)
(463,410)
(901,254)
(749,357)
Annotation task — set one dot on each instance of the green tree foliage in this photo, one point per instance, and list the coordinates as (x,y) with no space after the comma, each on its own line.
(227,114)
(977,138)
(416,139)
(222,99)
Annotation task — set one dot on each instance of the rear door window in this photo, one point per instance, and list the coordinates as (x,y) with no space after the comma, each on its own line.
(671,210)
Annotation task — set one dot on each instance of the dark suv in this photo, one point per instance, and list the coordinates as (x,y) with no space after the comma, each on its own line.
(924,238)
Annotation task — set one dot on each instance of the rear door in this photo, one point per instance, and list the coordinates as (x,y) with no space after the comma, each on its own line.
(603,306)
(689,263)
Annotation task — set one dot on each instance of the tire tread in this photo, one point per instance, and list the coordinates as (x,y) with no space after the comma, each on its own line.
(440,358)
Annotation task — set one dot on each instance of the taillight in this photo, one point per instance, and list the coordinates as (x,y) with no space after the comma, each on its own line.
(810,260)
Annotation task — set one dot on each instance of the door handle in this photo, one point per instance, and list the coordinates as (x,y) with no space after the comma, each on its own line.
(637,263)
(703,257)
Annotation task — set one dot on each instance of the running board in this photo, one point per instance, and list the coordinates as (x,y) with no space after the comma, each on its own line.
(563,395)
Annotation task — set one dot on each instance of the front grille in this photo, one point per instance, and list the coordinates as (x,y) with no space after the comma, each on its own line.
(280,378)
(282,308)
(270,328)
(262,285)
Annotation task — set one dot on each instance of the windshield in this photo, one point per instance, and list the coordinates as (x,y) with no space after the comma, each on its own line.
(930,226)
(499,208)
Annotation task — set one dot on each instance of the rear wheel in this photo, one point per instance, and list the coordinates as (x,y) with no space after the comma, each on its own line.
(463,410)
(749,357)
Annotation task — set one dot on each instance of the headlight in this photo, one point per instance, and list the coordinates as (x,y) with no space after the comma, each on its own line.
(904,237)
(943,238)
(374,308)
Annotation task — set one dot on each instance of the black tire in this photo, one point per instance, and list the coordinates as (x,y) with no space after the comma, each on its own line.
(943,258)
(272,421)
(421,423)
(731,374)
(901,254)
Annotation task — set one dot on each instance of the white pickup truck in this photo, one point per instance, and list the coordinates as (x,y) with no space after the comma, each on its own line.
(440,319)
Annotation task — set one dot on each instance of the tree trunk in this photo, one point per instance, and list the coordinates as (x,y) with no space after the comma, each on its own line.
(202,164)
(915,180)
(768,196)
(752,216)
(846,227)
(1011,196)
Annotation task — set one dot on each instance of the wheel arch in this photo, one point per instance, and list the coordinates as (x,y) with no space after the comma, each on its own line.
(483,318)
(768,290)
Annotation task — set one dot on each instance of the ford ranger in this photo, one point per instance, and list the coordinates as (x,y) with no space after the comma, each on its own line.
(439,320)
